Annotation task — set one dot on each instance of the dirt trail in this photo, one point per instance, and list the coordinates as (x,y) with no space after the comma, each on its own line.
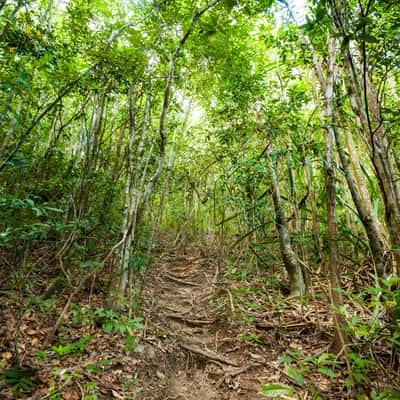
(199,354)
(211,332)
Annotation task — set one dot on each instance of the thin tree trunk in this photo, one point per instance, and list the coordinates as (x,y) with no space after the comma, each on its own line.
(170,164)
(292,266)
(341,340)
(296,224)
(367,109)
(91,153)
(130,205)
(136,173)
(314,208)
(118,147)
(366,214)
(361,183)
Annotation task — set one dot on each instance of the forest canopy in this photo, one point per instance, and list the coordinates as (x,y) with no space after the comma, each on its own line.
(260,137)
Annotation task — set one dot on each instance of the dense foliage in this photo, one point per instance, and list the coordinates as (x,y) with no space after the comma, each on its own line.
(229,121)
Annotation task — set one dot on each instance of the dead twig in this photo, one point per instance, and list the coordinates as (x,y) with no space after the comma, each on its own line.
(231,300)
(181,281)
(209,354)
(65,309)
(237,371)
(191,321)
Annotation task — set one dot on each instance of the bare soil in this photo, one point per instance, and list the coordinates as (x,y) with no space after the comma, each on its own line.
(209,333)
(203,358)
(211,350)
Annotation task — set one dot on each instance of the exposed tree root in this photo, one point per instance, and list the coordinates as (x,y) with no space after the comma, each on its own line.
(209,354)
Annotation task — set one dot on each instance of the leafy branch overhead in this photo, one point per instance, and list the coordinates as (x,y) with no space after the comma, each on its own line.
(199,199)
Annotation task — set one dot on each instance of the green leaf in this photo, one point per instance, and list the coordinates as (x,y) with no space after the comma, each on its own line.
(136,323)
(108,326)
(296,375)
(91,246)
(121,328)
(327,371)
(130,343)
(285,358)
(100,312)
(30,203)
(276,390)
(39,212)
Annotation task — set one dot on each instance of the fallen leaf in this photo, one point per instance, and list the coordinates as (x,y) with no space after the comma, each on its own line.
(117,395)
(7,355)
(71,396)
(160,375)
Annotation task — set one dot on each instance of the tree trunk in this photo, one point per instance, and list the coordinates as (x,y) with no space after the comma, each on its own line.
(292,266)
(367,217)
(341,340)
(314,208)
(296,222)
(91,152)
(378,143)
(365,104)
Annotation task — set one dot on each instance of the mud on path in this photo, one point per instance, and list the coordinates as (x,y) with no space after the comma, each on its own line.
(196,349)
